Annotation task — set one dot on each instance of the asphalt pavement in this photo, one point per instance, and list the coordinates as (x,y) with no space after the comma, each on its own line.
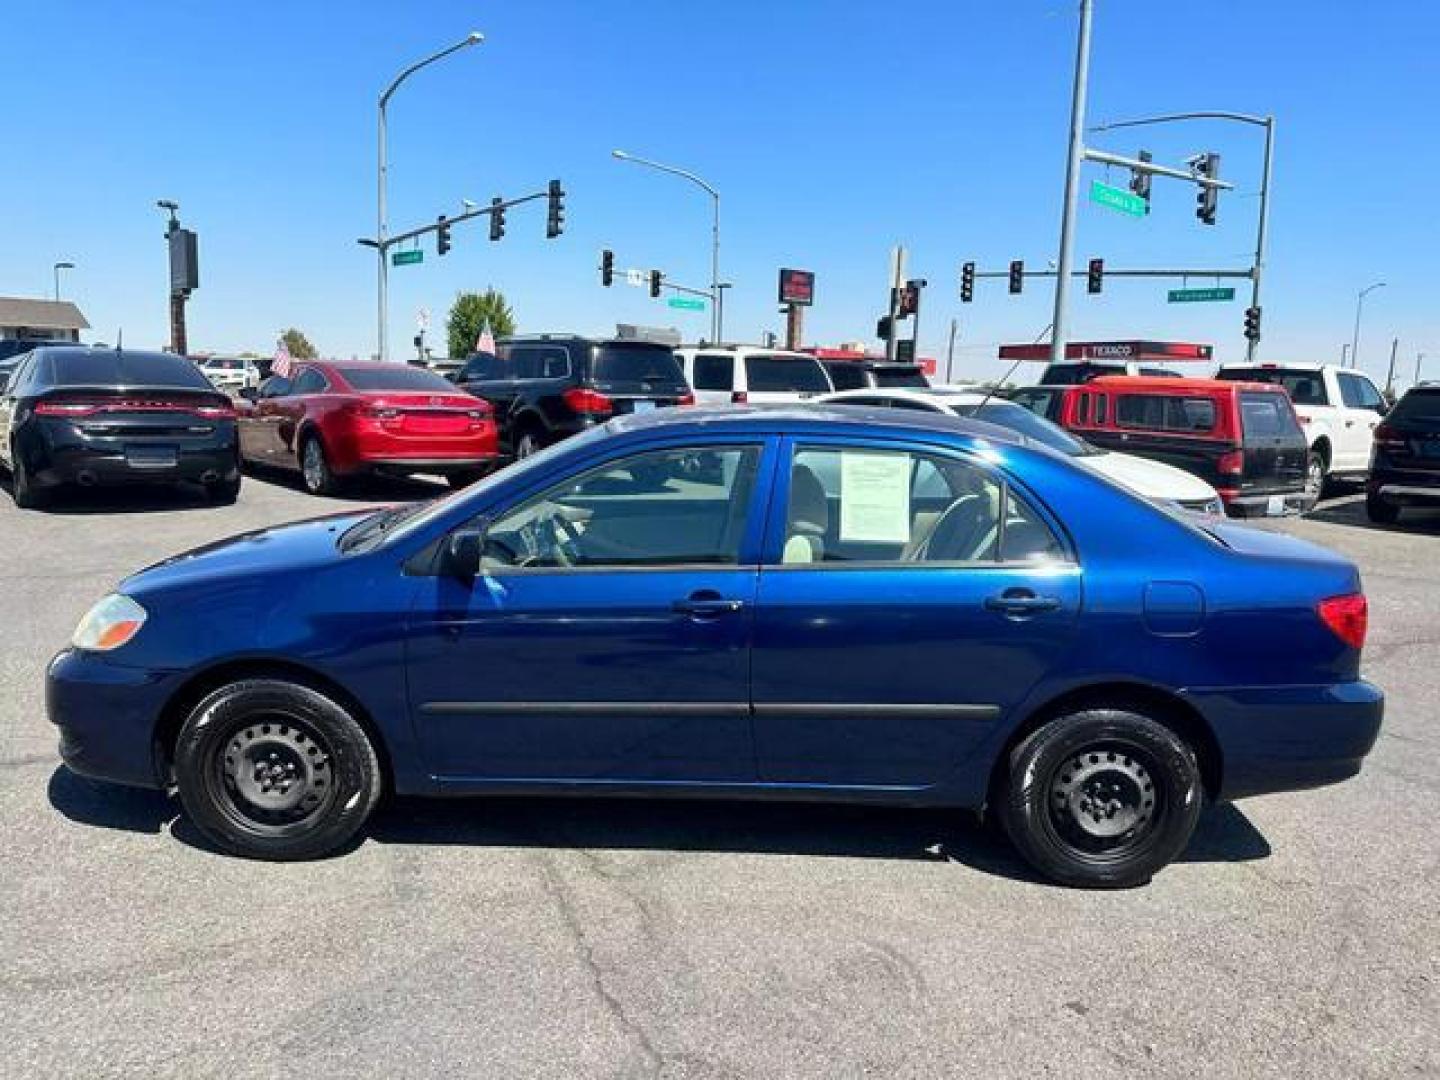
(1299,935)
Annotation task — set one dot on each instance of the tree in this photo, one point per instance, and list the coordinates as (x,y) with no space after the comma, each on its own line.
(298,345)
(471,313)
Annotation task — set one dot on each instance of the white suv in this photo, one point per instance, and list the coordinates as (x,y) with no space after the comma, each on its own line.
(736,373)
(1339,408)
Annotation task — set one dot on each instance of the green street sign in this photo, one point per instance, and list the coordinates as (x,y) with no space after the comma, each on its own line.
(1192,296)
(684,303)
(1118,199)
(407,258)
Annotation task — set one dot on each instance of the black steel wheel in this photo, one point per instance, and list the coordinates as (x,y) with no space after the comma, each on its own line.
(1102,798)
(275,770)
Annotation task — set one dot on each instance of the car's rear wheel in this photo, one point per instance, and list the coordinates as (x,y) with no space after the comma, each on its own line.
(315,470)
(528,443)
(1381,511)
(274,770)
(1314,480)
(1101,798)
(27,496)
(223,492)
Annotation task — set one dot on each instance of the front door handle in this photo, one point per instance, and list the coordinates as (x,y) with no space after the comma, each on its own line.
(1020,602)
(706,604)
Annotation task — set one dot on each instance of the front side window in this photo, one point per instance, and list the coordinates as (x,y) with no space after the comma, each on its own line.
(714,371)
(1359,393)
(895,507)
(681,507)
(847,376)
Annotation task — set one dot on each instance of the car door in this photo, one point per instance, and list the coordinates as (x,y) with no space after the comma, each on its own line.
(258,440)
(1362,408)
(607,637)
(289,412)
(898,621)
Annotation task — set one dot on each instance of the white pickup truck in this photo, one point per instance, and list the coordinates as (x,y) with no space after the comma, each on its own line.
(1339,408)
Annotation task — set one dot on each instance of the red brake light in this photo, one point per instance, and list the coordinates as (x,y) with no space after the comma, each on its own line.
(1385,436)
(66,408)
(686,399)
(1348,617)
(216,412)
(588,402)
(1231,463)
(739,397)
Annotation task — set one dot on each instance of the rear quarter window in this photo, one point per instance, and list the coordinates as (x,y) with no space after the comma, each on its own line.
(767,373)
(1267,415)
(1166,412)
(714,371)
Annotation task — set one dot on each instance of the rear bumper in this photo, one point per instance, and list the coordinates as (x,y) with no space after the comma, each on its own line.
(1277,503)
(78,464)
(1291,737)
(106,717)
(1404,486)
(360,450)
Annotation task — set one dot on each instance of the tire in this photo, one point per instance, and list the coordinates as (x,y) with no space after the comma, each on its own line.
(315,471)
(1101,798)
(27,496)
(274,770)
(529,443)
(1315,480)
(1381,512)
(223,492)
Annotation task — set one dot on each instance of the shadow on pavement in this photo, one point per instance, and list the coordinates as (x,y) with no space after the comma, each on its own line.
(363,489)
(1420,520)
(1224,834)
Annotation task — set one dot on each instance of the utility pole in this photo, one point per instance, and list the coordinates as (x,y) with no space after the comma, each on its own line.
(184,273)
(950,351)
(794,326)
(1359,304)
(1344,352)
(897,282)
(1390,375)
(1418,357)
(1074,157)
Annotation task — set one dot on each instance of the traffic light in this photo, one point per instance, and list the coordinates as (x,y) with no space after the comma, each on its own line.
(967,283)
(910,298)
(1252,323)
(497,218)
(1209,197)
(1017,277)
(607,268)
(1095,276)
(655,278)
(1140,181)
(555,219)
(884,328)
(442,235)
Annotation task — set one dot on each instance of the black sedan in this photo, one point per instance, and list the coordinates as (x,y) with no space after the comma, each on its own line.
(90,416)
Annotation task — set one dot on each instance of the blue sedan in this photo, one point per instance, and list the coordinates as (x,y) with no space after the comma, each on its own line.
(821,604)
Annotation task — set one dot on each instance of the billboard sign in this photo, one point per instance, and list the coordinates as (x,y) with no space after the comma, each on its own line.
(797,287)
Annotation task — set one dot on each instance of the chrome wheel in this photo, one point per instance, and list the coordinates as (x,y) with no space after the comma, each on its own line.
(529,444)
(1314,479)
(313,466)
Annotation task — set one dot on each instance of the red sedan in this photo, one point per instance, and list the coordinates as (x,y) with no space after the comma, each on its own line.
(334,420)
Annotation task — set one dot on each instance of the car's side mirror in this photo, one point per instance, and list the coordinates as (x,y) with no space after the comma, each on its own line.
(462,552)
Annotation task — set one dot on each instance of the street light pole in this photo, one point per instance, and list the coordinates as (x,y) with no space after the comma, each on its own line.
(382,284)
(717,320)
(1073,160)
(58,267)
(1355,340)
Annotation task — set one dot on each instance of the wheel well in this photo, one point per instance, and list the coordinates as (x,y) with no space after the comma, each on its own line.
(184,700)
(1159,705)
(1322,447)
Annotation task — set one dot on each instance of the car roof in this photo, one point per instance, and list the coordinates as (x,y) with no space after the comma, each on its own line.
(815,419)
(1171,384)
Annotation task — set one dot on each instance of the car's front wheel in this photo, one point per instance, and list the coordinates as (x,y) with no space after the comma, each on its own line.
(1101,798)
(271,769)
(1380,511)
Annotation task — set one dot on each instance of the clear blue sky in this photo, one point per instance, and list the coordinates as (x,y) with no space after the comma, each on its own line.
(833,128)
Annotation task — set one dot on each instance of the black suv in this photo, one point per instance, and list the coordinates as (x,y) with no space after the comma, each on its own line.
(1405,457)
(544,388)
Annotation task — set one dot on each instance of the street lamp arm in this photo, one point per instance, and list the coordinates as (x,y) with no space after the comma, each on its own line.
(1243,118)
(473,38)
(623,156)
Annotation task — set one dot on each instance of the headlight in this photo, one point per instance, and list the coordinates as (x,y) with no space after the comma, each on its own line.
(109,624)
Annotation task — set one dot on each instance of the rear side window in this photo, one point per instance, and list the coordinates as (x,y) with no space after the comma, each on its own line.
(1102,401)
(310,381)
(1267,415)
(846,376)
(768,373)
(1304,387)
(106,367)
(714,371)
(1418,405)
(485,367)
(901,378)
(1165,412)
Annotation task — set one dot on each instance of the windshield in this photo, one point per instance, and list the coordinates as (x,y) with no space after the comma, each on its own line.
(1304,387)
(1018,418)
(1040,401)
(396,377)
(639,364)
(769,373)
(1418,405)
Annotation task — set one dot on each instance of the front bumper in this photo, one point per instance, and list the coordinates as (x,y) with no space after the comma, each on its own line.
(106,715)
(1290,737)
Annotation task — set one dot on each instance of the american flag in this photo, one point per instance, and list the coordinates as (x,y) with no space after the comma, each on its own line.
(486,341)
(282,363)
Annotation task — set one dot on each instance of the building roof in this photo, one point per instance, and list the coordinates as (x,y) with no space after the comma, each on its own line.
(41,314)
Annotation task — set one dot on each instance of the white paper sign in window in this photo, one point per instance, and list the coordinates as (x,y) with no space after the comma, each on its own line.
(874,497)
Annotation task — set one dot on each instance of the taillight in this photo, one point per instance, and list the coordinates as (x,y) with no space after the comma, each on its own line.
(215,412)
(587,402)
(685,399)
(1231,463)
(1387,437)
(377,412)
(1348,618)
(739,397)
(66,408)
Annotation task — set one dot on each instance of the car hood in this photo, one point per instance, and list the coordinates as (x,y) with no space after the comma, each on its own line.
(1153,479)
(278,549)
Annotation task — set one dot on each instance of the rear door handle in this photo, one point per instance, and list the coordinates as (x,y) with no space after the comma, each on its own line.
(1021,602)
(706,604)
